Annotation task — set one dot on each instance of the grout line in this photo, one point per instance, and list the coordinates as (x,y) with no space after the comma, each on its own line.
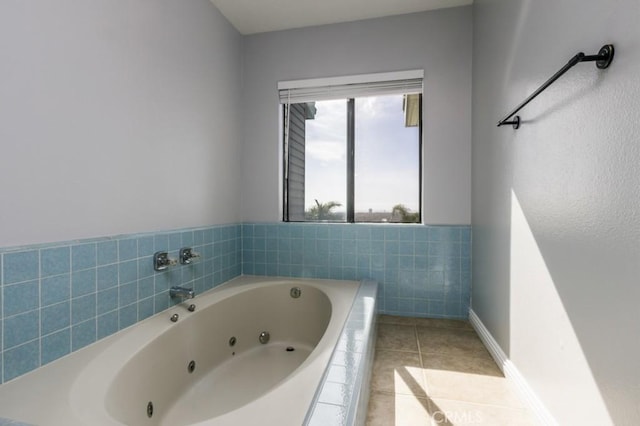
(422,369)
(415,333)
(484,404)
(394,350)
(429,398)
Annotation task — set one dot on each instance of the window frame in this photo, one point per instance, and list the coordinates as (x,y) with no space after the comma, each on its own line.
(350,179)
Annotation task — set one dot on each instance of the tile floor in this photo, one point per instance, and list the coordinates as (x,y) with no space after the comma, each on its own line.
(436,372)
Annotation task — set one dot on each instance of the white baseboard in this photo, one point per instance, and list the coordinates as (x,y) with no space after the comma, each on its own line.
(511,372)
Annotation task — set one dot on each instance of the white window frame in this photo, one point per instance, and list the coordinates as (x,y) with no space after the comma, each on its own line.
(343,87)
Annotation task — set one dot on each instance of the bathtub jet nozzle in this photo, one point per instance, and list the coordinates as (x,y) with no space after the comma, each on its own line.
(264,337)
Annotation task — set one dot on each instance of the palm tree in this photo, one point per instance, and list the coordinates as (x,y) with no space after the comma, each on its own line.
(322,211)
(404,214)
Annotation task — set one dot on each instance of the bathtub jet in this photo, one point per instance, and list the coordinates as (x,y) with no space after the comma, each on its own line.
(138,376)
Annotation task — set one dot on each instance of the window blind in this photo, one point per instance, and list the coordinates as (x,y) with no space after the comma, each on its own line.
(298,91)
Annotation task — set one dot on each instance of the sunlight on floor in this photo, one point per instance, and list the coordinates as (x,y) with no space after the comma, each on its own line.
(437,372)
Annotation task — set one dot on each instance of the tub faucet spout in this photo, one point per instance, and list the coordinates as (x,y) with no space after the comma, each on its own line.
(183,292)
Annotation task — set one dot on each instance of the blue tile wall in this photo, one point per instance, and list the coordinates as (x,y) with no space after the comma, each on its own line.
(58,298)
(422,271)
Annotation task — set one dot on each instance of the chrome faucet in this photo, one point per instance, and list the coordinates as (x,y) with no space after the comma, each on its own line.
(187,255)
(162,261)
(183,292)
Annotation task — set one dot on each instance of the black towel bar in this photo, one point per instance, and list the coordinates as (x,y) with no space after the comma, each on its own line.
(603,60)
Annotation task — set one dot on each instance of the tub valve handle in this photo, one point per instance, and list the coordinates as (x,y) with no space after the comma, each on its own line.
(162,261)
(187,255)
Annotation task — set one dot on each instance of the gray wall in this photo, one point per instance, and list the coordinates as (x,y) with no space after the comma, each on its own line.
(116,117)
(556,243)
(438,42)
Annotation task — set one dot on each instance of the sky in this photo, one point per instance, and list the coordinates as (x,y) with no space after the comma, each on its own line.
(386,155)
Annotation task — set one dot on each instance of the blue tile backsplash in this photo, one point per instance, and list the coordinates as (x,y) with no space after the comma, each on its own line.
(422,271)
(57,298)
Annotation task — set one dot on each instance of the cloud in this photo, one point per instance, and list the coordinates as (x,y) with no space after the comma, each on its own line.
(384,189)
(387,155)
(326,151)
(326,133)
(379,107)
(330,122)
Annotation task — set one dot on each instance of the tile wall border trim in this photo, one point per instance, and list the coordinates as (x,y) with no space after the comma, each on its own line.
(115,237)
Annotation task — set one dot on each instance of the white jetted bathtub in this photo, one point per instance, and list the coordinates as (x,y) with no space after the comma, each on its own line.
(254,352)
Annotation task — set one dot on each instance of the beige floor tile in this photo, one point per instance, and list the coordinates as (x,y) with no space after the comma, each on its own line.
(468,380)
(443,323)
(393,319)
(481,365)
(449,412)
(451,341)
(398,372)
(463,384)
(426,322)
(397,337)
(397,410)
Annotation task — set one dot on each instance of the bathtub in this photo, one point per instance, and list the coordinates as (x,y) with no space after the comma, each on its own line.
(255,351)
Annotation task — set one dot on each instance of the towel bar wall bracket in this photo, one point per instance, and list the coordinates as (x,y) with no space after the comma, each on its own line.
(602,59)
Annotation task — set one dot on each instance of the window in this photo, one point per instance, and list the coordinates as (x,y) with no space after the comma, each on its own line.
(352,152)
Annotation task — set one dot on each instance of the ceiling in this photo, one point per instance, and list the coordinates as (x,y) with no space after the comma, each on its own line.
(257,16)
